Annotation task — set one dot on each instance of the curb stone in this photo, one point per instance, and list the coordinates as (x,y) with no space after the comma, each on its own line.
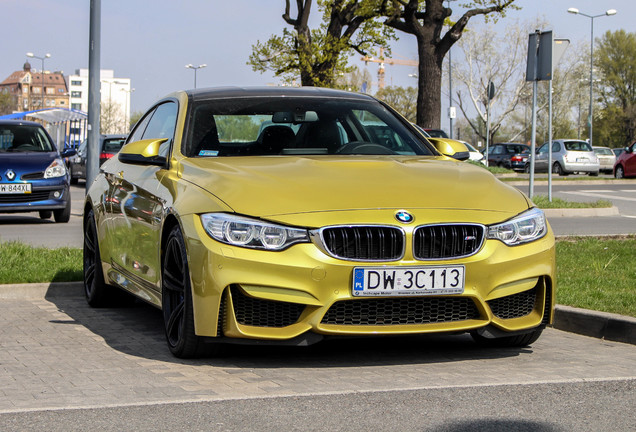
(618,328)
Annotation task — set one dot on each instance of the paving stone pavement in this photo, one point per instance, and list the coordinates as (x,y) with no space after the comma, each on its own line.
(57,353)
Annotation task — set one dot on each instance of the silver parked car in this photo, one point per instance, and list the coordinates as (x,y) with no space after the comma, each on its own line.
(606,158)
(568,156)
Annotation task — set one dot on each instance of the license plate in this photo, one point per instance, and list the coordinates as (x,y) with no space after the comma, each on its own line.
(408,281)
(15,188)
(582,160)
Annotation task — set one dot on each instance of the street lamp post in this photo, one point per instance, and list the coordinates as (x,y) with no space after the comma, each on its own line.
(47,55)
(195,68)
(126,114)
(609,12)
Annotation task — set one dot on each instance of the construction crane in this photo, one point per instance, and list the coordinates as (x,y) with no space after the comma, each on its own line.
(382,60)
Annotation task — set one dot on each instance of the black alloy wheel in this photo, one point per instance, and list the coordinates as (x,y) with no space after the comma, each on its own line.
(176,299)
(95,289)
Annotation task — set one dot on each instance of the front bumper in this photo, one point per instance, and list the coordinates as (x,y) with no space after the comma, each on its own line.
(278,296)
(40,198)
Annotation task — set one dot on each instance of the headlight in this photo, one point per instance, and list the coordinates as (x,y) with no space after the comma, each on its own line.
(251,233)
(56,169)
(526,227)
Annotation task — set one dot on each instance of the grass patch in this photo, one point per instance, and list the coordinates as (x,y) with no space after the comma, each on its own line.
(542,201)
(493,170)
(597,274)
(20,263)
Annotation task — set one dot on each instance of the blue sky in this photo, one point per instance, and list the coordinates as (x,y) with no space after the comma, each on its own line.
(150,41)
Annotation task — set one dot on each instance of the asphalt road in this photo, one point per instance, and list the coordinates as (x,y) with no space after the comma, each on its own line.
(67,367)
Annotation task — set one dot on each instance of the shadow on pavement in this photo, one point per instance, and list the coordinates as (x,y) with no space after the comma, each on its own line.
(137,330)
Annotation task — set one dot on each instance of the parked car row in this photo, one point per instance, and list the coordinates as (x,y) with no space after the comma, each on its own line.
(109,145)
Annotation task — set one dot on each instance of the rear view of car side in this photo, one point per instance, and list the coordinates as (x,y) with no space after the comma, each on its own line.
(568,157)
(33,174)
(606,159)
(285,216)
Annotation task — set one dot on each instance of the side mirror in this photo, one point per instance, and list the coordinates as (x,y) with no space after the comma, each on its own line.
(451,148)
(628,149)
(68,153)
(144,152)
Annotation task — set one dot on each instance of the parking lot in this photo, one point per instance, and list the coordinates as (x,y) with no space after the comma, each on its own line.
(57,353)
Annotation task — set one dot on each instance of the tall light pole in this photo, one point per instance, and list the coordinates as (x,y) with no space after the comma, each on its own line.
(47,55)
(126,113)
(195,68)
(608,12)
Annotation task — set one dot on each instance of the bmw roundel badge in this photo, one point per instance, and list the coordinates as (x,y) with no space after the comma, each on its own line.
(404,216)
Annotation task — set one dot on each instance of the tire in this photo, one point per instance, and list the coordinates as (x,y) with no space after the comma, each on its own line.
(526,169)
(518,341)
(558,169)
(45,214)
(594,174)
(619,173)
(95,289)
(63,215)
(176,299)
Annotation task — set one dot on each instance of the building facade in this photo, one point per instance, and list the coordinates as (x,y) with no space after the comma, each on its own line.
(115,98)
(32,90)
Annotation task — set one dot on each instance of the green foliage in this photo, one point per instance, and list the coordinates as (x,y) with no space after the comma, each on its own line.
(7,103)
(135,117)
(317,57)
(403,100)
(616,60)
(236,128)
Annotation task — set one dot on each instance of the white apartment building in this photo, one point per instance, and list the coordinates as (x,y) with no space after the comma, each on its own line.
(115,92)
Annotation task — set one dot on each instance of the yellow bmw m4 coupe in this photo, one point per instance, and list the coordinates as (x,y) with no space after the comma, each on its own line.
(287,215)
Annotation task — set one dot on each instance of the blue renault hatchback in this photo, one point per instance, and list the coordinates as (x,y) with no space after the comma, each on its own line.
(33,175)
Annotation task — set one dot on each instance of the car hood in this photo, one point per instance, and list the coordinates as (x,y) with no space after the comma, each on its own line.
(269,186)
(25,162)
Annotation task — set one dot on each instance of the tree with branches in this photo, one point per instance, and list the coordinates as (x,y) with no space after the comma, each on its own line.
(319,56)
(425,19)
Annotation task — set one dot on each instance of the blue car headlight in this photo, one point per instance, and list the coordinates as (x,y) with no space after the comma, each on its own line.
(251,233)
(56,169)
(526,227)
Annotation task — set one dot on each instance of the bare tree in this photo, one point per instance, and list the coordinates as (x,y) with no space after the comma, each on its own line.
(112,120)
(427,25)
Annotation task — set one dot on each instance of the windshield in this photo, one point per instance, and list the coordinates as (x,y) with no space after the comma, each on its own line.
(577,146)
(24,138)
(603,151)
(297,126)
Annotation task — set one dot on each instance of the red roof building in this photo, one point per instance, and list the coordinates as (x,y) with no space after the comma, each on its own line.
(34,90)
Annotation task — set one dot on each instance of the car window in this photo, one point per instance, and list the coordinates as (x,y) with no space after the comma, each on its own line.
(112,145)
(603,151)
(140,128)
(556,147)
(24,138)
(498,150)
(162,125)
(577,146)
(294,126)
(543,149)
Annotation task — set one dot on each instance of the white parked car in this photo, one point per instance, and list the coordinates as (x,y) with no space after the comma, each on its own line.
(568,157)
(606,158)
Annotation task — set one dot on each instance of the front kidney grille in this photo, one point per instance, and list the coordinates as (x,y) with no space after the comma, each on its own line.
(447,241)
(400,311)
(514,306)
(263,313)
(366,243)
